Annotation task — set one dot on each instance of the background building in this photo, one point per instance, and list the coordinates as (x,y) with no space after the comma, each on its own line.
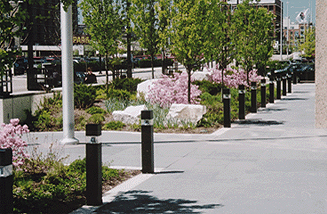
(273,6)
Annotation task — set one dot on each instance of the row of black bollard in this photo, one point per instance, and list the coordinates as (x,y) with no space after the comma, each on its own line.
(94,160)
(287,80)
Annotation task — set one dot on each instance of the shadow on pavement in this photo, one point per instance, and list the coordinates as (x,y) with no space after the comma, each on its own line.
(138,201)
(273,109)
(294,99)
(258,122)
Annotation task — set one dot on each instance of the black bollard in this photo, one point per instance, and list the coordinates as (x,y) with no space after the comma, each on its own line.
(278,88)
(226,102)
(263,93)
(289,83)
(6,181)
(93,166)
(147,141)
(253,97)
(241,102)
(271,92)
(284,85)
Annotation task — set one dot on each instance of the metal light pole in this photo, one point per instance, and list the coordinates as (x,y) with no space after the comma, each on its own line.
(67,75)
(281,32)
(287,28)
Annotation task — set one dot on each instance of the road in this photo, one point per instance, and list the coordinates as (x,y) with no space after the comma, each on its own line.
(20,81)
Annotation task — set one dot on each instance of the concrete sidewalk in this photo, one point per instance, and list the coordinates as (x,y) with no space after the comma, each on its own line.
(275,161)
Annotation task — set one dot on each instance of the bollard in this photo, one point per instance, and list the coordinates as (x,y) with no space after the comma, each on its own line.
(289,83)
(284,85)
(241,102)
(147,141)
(271,92)
(93,166)
(278,88)
(253,108)
(6,181)
(226,102)
(263,93)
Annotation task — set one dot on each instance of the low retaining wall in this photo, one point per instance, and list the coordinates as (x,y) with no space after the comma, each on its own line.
(14,106)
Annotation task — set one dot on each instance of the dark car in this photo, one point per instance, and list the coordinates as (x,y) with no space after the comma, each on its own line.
(20,65)
(307,72)
(290,70)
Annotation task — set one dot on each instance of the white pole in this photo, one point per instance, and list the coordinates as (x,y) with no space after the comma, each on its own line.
(281,32)
(287,29)
(67,75)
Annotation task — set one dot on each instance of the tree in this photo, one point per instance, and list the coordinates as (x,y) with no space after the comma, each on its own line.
(10,20)
(218,46)
(309,45)
(189,18)
(104,25)
(163,8)
(252,29)
(145,21)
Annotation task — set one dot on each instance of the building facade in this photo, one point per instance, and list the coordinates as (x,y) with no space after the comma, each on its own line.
(294,33)
(273,6)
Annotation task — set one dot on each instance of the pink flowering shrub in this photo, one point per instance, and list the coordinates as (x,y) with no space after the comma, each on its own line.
(10,137)
(233,78)
(169,90)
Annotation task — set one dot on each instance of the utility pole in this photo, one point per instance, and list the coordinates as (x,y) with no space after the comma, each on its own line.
(287,29)
(281,31)
(67,75)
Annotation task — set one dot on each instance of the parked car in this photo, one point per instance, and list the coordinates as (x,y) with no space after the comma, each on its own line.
(307,72)
(20,65)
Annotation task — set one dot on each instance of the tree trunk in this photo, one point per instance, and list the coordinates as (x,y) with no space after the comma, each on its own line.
(152,55)
(189,85)
(107,76)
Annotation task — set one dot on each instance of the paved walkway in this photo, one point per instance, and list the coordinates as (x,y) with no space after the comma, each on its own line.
(273,162)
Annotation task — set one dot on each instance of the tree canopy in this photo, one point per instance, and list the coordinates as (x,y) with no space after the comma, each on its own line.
(309,45)
(146,23)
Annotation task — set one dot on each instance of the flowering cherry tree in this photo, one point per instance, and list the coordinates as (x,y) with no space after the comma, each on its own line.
(233,78)
(10,137)
(169,90)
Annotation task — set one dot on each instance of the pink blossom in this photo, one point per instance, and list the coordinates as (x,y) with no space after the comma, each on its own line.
(233,78)
(169,90)
(10,137)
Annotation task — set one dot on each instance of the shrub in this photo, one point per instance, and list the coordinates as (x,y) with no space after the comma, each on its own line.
(84,96)
(169,90)
(120,94)
(95,110)
(96,119)
(128,84)
(233,78)
(10,137)
(212,88)
(114,104)
(46,185)
(114,125)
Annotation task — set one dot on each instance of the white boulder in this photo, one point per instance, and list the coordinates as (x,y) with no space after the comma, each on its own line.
(186,113)
(201,75)
(130,115)
(144,87)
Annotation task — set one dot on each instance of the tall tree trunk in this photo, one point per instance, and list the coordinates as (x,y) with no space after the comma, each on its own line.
(152,56)
(189,84)
(107,76)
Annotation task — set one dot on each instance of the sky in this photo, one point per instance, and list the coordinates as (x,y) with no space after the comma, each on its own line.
(296,6)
